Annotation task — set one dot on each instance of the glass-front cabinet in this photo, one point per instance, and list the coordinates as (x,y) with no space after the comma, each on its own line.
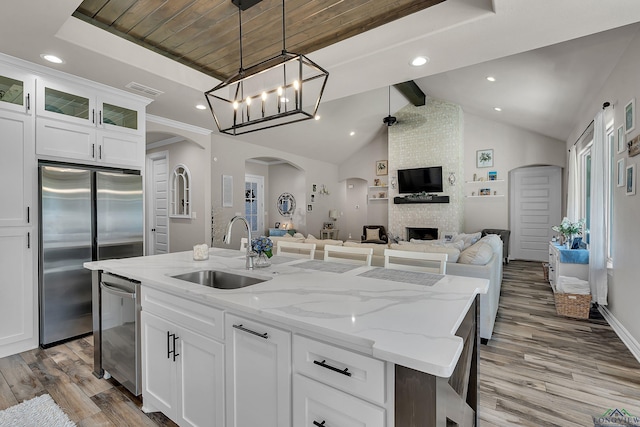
(84,106)
(16,90)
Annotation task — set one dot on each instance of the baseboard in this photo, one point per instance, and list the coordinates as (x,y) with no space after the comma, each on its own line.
(621,331)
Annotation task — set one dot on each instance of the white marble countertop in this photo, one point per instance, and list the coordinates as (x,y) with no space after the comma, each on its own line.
(406,324)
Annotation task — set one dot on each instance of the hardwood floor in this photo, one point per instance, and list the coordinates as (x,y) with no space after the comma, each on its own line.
(539,369)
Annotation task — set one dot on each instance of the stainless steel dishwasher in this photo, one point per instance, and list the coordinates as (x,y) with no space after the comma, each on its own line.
(120,331)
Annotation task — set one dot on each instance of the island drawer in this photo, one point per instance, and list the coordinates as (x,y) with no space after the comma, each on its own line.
(351,372)
(197,317)
(315,404)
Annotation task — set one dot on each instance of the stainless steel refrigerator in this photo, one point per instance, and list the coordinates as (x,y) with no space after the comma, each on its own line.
(85,214)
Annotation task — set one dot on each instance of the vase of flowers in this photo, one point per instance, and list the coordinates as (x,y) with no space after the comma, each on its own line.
(569,230)
(263,246)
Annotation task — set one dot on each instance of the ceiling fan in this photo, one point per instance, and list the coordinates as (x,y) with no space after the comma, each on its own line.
(389,120)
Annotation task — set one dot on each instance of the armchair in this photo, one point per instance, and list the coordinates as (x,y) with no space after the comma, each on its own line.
(374,234)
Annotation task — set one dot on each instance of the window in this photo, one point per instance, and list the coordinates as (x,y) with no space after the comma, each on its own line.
(584,161)
(180,192)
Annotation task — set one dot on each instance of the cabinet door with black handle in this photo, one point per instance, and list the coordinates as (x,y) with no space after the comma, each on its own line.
(258,373)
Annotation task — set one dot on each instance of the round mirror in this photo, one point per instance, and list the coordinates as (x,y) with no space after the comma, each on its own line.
(286,204)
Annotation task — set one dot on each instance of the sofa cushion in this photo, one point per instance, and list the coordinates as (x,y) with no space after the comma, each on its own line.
(372,234)
(459,244)
(494,241)
(378,248)
(479,253)
(451,251)
(467,239)
(286,238)
(321,243)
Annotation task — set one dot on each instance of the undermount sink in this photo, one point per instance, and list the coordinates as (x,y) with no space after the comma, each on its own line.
(219,279)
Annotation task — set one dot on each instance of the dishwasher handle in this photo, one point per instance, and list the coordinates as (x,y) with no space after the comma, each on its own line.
(117,291)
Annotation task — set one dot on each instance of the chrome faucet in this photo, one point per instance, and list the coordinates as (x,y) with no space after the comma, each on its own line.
(227,239)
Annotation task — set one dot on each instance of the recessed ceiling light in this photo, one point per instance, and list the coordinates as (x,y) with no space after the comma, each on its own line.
(491,78)
(352,133)
(52,58)
(497,108)
(317,117)
(419,61)
(201,107)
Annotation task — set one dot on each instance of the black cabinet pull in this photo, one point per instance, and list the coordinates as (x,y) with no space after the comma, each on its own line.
(28,240)
(28,102)
(93,116)
(168,346)
(344,371)
(28,215)
(93,151)
(175,354)
(100,151)
(315,423)
(100,117)
(258,334)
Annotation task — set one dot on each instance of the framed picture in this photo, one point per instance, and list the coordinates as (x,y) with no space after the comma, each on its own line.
(621,140)
(484,158)
(277,224)
(621,172)
(493,176)
(631,180)
(630,116)
(381,167)
(327,225)
(314,188)
(309,208)
(485,191)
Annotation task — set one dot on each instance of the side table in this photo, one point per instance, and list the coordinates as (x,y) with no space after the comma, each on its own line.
(329,233)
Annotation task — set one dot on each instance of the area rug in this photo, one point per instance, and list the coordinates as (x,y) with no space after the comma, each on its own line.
(38,412)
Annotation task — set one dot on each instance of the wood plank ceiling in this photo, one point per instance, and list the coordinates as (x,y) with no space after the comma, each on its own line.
(203,34)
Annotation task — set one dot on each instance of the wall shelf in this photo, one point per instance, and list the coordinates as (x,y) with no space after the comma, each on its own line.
(432,199)
(378,198)
(485,197)
(484,182)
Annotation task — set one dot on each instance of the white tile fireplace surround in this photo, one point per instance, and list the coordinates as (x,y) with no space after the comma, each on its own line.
(421,233)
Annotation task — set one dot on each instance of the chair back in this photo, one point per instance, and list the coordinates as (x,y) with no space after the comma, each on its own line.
(415,261)
(296,249)
(348,255)
(243,243)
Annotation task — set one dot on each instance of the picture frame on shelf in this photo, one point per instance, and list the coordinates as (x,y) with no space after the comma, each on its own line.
(314,188)
(484,158)
(327,225)
(630,116)
(621,172)
(493,176)
(621,140)
(309,208)
(277,224)
(382,167)
(485,192)
(631,180)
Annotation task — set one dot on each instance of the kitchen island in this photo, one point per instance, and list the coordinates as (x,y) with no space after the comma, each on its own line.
(314,344)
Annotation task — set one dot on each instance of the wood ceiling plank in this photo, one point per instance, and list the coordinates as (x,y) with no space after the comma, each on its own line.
(200,15)
(113,10)
(151,22)
(137,13)
(91,7)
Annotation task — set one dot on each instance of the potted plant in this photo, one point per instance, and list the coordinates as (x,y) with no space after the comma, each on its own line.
(263,246)
(569,230)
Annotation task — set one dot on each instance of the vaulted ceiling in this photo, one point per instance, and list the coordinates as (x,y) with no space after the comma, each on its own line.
(204,34)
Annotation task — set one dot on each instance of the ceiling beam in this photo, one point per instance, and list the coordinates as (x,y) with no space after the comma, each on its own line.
(412,92)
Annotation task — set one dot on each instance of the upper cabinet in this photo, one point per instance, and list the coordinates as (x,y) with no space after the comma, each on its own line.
(16,89)
(89,124)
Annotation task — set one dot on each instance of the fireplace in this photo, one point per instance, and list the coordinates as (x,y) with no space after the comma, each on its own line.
(422,233)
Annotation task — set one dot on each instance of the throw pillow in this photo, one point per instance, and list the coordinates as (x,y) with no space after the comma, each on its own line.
(478,254)
(373,234)
(298,235)
(311,237)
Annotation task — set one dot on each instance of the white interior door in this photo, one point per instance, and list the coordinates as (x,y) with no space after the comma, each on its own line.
(157,203)
(254,203)
(535,208)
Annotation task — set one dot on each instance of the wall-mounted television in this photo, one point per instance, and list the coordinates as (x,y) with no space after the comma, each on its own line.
(418,180)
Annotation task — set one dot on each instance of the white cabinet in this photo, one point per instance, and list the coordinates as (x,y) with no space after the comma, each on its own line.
(558,268)
(182,370)
(258,374)
(336,387)
(80,123)
(16,290)
(16,168)
(316,404)
(16,89)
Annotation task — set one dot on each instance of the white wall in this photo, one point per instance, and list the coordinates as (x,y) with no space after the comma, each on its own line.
(285,178)
(620,87)
(194,153)
(513,148)
(228,156)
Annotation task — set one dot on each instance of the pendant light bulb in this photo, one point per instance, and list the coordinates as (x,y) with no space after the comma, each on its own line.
(279,90)
(296,84)
(248,100)
(235,105)
(264,96)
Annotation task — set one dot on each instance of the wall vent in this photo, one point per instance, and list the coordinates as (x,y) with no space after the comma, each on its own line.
(144,89)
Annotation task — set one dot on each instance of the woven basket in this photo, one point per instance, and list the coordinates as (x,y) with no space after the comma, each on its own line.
(573,305)
(545,270)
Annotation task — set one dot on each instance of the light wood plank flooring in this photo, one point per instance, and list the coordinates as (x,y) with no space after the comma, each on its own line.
(538,370)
